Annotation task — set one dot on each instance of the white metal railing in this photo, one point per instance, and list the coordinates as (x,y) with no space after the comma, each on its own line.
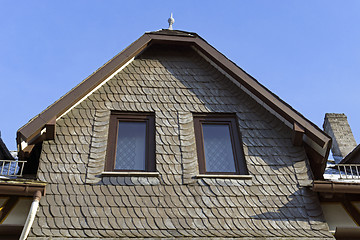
(11,168)
(349,171)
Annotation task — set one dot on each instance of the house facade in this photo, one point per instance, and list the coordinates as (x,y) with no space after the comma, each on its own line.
(170,139)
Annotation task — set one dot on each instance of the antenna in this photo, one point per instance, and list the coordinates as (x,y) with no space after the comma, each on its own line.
(171,21)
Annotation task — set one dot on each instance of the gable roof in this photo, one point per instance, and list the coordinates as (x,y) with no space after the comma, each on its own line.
(317,141)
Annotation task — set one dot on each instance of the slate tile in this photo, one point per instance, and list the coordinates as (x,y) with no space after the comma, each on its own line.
(55,233)
(68,225)
(59,222)
(38,232)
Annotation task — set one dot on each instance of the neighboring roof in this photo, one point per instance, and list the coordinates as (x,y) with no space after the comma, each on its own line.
(353,157)
(4,152)
(33,128)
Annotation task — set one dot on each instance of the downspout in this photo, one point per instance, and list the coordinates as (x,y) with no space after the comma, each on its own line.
(31,216)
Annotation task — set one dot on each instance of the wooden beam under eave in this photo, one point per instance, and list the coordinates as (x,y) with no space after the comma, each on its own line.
(49,133)
(50,129)
(317,162)
(25,153)
(298,133)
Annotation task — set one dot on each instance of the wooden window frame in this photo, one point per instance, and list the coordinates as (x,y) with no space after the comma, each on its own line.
(115,118)
(235,137)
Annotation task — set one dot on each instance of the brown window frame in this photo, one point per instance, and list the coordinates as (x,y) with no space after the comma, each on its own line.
(235,137)
(115,118)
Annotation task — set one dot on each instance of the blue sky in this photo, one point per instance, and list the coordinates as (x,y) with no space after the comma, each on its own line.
(306,52)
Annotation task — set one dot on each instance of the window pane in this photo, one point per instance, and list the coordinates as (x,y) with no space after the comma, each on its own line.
(130,149)
(219,155)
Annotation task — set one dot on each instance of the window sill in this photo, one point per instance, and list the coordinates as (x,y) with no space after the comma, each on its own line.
(129,174)
(224,176)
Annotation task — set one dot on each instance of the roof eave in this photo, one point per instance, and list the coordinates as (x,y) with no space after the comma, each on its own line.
(335,187)
(20,188)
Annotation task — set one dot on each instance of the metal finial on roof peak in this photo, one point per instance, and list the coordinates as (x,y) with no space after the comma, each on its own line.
(171,21)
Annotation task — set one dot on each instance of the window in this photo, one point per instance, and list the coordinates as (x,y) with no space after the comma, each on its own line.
(218,144)
(131,142)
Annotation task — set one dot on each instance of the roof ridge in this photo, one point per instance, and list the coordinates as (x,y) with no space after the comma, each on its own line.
(168,32)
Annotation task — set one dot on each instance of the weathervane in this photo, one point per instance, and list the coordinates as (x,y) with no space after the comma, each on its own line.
(171,21)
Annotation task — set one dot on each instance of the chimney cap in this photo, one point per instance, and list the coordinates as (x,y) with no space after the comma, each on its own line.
(335,115)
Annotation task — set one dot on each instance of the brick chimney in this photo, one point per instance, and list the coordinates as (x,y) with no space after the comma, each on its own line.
(337,126)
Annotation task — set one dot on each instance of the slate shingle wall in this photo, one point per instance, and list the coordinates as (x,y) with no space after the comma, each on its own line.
(174,84)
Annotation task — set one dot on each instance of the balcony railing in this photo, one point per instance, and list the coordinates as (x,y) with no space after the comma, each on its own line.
(11,168)
(349,171)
